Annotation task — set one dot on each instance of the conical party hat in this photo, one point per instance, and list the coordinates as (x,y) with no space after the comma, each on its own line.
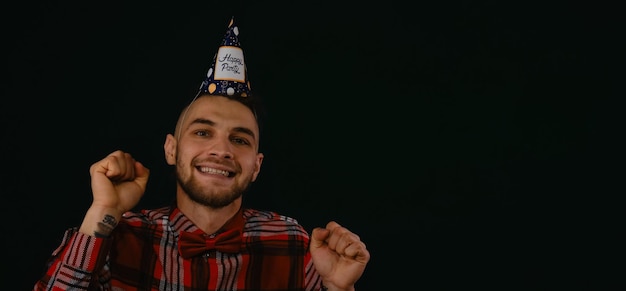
(227,74)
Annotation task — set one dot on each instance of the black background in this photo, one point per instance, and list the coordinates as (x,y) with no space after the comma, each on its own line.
(469,144)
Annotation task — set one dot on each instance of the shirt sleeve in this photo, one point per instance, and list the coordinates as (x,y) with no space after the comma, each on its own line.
(313,280)
(77,263)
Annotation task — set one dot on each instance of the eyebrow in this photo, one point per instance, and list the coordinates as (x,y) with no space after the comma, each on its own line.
(239,129)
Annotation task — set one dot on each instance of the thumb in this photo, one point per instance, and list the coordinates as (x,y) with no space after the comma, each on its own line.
(318,237)
(141,173)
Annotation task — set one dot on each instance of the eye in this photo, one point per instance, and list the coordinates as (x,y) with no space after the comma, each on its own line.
(241,141)
(202,133)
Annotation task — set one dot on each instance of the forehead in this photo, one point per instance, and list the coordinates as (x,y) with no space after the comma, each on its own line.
(221,110)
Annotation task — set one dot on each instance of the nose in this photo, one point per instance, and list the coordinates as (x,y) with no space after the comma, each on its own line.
(222,148)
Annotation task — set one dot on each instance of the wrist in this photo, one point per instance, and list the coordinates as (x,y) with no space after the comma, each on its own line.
(100,222)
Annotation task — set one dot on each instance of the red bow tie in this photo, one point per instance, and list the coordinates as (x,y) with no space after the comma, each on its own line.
(191,244)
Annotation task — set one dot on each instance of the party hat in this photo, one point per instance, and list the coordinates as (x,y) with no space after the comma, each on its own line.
(228,74)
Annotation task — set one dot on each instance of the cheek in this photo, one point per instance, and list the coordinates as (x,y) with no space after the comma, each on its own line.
(184,156)
(250,167)
(251,164)
(188,148)
(254,170)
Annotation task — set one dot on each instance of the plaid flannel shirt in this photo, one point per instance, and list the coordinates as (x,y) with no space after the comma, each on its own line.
(142,254)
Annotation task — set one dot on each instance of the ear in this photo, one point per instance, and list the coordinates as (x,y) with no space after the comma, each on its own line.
(170,149)
(257,166)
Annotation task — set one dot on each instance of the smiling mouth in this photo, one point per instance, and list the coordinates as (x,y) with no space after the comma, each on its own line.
(209,170)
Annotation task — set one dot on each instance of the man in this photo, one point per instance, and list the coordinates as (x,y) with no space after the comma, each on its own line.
(205,240)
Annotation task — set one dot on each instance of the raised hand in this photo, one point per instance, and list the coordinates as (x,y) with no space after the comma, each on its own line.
(339,256)
(117,182)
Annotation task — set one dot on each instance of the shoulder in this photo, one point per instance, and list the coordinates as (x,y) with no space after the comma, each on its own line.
(263,222)
(146,216)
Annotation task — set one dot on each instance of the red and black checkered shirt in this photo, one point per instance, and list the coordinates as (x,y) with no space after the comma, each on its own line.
(142,254)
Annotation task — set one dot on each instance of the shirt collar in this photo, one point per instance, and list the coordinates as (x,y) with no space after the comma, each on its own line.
(179,222)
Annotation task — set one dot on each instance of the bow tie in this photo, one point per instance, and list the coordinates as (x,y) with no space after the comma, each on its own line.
(191,244)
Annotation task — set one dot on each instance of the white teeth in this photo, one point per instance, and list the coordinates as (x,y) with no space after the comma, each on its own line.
(213,171)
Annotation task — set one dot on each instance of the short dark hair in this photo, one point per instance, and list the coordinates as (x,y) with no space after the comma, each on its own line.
(253,102)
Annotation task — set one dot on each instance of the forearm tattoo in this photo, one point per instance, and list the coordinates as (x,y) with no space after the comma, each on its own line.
(105,227)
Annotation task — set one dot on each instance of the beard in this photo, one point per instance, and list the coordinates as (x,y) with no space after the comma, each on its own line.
(210,197)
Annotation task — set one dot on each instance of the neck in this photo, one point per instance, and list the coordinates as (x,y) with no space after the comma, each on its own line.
(208,219)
